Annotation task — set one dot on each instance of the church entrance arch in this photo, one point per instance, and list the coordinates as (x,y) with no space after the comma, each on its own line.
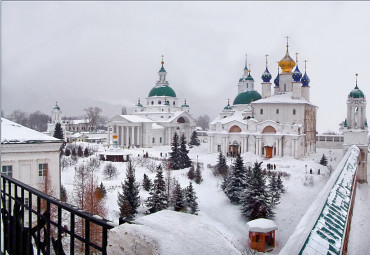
(235,129)
(234,148)
(268,150)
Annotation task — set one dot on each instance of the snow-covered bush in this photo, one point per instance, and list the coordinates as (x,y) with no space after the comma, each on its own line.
(308,180)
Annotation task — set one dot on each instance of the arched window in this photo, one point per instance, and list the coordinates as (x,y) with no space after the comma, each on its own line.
(269,129)
(152,102)
(277,111)
(284,87)
(294,111)
(181,120)
(235,129)
(159,102)
(174,103)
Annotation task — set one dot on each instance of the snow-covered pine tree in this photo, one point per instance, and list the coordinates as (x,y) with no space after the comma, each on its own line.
(183,151)
(80,152)
(129,200)
(147,183)
(191,172)
(279,184)
(194,140)
(255,200)
(58,131)
(191,199)
(235,183)
(158,198)
(198,175)
(221,166)
(273,190)
(175,153)
(324,160)
(178,198)
(86,152)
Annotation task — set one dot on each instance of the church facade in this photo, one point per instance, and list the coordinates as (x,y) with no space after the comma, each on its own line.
(155,122)
(279,122)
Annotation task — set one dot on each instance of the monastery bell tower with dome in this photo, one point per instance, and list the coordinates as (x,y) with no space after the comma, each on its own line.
(155,122)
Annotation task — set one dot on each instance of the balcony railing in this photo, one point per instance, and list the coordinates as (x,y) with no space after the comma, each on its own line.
(35,223)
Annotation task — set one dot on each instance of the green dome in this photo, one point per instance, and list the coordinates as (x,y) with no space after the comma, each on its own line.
(162,91)
(249,78)
(56,107)
(356,93)
(247,97)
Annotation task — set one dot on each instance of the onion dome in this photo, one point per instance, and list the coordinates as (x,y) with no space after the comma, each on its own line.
(185,104)
(305,80)
(247,97)
(56,107)
(266,76)
(162,88)
(249,77)
(138,103)
(287,63)
(297,75)
(228,107)
(356,92)
(276,81)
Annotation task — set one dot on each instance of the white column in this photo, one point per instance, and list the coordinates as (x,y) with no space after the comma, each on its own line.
(108,135)
(138,136)
(280,147)
(120,128)
(132,136)
(126,135)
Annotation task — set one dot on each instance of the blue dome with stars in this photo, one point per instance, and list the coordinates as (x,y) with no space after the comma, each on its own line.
(266,76)
(305,80)
(297,75)
(276,81)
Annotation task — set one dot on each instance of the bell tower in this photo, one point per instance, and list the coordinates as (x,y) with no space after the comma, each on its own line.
(356,130)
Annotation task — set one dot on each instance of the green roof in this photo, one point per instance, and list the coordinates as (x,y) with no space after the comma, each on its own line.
(356,93)
(162,91)
(247,97)
(162,69)
(56,107)
(249,78)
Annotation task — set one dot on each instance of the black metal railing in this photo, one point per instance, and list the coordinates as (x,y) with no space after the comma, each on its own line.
(35,223)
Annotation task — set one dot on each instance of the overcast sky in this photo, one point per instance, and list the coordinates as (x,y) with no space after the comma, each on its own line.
(107,54)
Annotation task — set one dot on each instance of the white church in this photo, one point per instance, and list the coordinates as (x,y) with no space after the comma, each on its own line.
(155,122)
(280,122)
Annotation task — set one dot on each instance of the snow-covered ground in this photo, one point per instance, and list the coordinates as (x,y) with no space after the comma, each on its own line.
(214,207)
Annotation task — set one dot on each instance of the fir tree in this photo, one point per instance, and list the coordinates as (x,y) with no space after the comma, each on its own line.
(235,183)
(58,131)
(324,160)
(129,200)
(191,172)
(178,198)
(191,199)
(280,185)
(147,183)
(80,152)
(221,166)
(86,152)
(273,190)
(256,201)
(158,198)
(194,141)
(67,152)
(74,153)
(183,151)
(198,175)
(175,153)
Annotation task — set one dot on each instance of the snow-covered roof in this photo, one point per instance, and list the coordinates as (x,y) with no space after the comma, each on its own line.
(168,232)
(262,225)
(12,132)
(156,126)
(113,151)
(136,118)
(237,116)
(285,98)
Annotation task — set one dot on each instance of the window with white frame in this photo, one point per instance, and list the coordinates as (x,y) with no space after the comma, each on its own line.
(43,169)
(7,170)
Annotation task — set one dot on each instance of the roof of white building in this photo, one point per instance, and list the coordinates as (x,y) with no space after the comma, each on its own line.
(236,116)
(12,132)
(285,98)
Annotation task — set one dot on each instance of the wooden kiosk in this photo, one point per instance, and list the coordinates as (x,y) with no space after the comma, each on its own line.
(262,234)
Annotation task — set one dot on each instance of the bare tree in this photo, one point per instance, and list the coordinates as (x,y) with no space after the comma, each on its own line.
(203,121)
(38,121)
(19,117)
(110,171)
(93,115)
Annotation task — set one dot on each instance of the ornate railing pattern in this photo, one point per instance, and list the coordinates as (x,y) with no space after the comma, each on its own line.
(35,223)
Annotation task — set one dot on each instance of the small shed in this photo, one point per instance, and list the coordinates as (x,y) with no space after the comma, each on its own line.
(114,155)
(262,234)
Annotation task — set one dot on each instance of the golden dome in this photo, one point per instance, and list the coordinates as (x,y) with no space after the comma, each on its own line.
(287,63)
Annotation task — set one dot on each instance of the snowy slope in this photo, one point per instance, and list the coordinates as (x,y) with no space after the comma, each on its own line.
(215,210)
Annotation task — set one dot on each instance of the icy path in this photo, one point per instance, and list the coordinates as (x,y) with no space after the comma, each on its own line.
(358,242)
